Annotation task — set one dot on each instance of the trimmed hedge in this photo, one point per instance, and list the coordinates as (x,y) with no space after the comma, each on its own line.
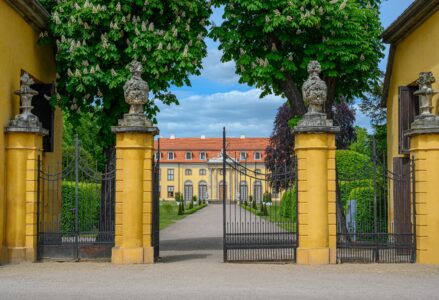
(353,164)
(89,196)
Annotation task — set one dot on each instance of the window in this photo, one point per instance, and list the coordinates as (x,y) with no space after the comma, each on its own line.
(188,190)
(221,171)
(407,109)
(170,174)
(243,155)
(203,156)
(257,155)
(171,155)
(187,172)
(202,190)
(188,155)
(202,171)
(156,156)
(170,191)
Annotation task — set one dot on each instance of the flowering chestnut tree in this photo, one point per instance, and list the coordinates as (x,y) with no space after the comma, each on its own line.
(273,41)
(96,39)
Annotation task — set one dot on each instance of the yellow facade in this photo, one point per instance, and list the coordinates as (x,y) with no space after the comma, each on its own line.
(211,177)
(418,52)
(19,52)
(316,198)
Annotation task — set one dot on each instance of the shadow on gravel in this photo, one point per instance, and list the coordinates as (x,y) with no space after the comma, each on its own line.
(213,243)
(183,257)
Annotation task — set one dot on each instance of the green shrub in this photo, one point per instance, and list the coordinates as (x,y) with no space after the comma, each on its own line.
(191,204)
(267,197)
(89,196)
(194,199)
(254,206)
(346,187)
(288,204)
(263,210)
(353,164)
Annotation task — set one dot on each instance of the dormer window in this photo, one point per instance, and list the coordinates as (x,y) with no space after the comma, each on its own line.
(171,155)
(203,155)
(157,155)
(243,155)
(257,155)
(188,155)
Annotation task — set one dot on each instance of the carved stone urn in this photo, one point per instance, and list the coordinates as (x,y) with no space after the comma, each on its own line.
(136,95)
(425,92)
(314,89)
(26,119)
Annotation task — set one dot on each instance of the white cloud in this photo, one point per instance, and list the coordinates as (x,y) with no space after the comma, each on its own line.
(215,70)
(242,113)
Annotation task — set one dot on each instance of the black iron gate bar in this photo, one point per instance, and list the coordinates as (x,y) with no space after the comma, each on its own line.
(260,234)
(75,210)
(370,228)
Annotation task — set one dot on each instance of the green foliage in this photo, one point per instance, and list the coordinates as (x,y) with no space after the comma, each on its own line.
(362,143)
(194,209)
(263,210)
(352,164)
(272,43)
(191,204)
(96,40)
(346,187)
(89,205)
(365,214)
(267,197)
(288,204)
(254,206)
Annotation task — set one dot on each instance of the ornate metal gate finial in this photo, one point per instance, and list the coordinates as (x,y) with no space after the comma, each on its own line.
(425,93)
(314,89)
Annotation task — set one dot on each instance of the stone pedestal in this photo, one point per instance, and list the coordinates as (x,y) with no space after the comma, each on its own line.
(424,147)
(23,146)
(134,173)
(315,151)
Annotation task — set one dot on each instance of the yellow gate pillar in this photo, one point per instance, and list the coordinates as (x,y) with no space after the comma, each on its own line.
(23,147)
(315,152)
(424,147)
(134,173)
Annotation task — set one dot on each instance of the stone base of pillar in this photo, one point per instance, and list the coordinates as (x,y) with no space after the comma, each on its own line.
(317,256)
(17,255)
(130,256)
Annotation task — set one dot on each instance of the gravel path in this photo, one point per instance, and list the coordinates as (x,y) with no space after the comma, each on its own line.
(192,268)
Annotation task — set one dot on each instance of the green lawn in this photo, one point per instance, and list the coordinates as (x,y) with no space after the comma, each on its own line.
(168,213)
(274,216)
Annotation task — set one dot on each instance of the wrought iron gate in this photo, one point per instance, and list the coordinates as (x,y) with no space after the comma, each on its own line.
(156,206)
(76,208)
(261,226)
(376,217)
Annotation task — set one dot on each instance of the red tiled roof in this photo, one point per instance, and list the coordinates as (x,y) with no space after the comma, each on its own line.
(212,147)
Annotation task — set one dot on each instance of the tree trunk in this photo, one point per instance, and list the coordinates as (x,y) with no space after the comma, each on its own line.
(294,95)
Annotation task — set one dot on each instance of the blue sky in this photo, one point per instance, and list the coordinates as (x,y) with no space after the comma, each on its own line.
(216,98)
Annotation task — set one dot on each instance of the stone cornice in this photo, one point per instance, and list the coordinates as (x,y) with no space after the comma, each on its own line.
(32,12)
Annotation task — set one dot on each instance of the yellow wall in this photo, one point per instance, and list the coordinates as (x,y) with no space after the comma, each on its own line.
(416,53)
(212,171)
(19,51)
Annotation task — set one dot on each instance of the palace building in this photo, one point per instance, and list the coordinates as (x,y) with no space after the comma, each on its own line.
(194,167)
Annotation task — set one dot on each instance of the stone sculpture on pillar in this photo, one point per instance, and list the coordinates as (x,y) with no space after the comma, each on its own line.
(136,95)
(425,119)
(314,95)
(26,120)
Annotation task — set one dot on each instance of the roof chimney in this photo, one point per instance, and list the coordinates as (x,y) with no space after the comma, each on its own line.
(172,137)
(203,137)
(242,137)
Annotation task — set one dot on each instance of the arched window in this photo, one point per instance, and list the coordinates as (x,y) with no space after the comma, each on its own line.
(188,190)
(202,190)
(243,191)
(257,191)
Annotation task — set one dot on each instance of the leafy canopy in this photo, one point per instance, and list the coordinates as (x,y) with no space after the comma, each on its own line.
(96,39)
(273,41)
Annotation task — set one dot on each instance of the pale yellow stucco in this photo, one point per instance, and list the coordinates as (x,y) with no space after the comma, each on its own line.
(19,52)
(417,53)
(316,198)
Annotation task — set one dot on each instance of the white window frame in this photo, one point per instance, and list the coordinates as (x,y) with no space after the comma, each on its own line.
(186,155)
(260,155)
(171,154)
(242,155)
(172,190)
(188,172)
(202,171)
(205,155)
(170,174)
